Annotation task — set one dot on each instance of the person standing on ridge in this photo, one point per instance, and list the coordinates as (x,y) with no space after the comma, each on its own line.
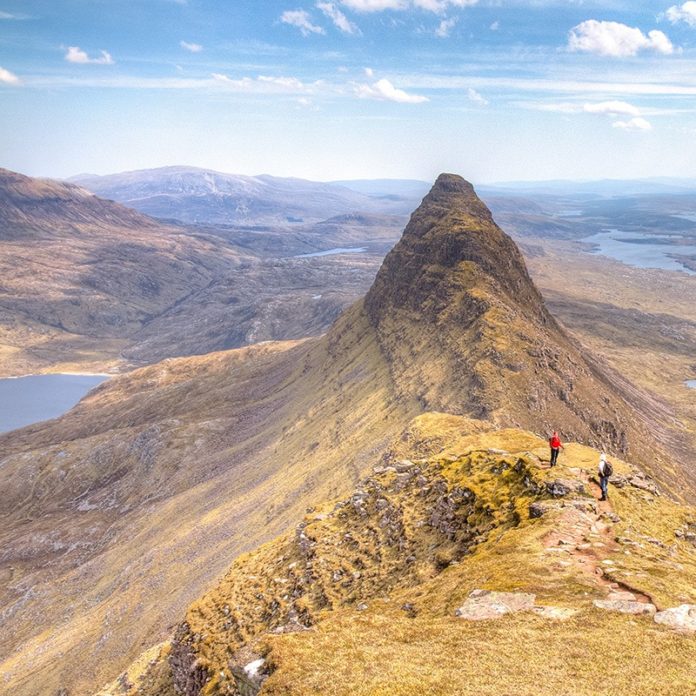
(605,471)
(556,445)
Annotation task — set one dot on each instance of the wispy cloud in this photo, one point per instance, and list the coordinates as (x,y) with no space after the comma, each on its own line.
(76,55)
(635,124)
(445,27)
(683,13)
(383,90)
(301,20)
(8,78)
(340,21)
(475,97)
(611,108)
(616,40)
(13,15)
(437,6)
(266,84)
(191,47)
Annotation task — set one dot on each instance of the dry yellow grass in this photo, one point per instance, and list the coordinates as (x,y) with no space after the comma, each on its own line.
(382,653)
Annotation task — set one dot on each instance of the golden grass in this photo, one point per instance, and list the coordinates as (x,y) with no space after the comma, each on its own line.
(382,653)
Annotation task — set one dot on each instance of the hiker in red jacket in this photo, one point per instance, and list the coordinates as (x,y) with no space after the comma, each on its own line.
(556,445)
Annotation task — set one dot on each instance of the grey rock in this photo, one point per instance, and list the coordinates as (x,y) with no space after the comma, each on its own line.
(485,604)
(625,606)
(681,618)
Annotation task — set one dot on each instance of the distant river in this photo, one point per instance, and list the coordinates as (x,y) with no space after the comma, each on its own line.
(331,252)
(27,400)
(627,248)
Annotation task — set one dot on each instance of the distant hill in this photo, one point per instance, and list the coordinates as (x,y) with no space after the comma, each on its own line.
(88,283)
(203,196)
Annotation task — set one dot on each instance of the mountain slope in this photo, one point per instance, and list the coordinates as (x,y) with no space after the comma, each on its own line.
(363,596)
(163,476)
(195,195)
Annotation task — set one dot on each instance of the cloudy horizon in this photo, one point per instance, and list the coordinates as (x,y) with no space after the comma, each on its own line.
(351,89)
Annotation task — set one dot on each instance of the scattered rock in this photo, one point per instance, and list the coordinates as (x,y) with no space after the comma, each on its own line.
(410,610)
(404,465)
(362,606)
(625,606)
(562,487)
(485,604)
(540,508)
(681,618)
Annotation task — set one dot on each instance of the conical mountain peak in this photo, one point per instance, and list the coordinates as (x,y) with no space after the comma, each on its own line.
(450,242)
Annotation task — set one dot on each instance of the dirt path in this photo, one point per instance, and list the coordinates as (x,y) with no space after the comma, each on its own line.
(584,540)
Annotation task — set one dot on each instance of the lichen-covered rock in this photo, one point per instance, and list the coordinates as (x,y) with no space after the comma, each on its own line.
(681,618)
(563,487)
(485,604)
(625,606)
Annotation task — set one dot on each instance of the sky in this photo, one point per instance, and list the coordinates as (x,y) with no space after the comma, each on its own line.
(494,90)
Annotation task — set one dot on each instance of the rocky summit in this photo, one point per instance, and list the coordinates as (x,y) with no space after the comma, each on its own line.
(409,445)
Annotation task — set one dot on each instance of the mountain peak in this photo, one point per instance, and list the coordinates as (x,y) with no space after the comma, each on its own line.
(465,330)
(452,242)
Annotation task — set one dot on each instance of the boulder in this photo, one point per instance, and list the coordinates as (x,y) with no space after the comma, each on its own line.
(562,487)
(681,618)
(625,606)
(485,604)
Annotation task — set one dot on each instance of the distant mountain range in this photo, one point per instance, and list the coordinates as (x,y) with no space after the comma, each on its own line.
(192,195)
(88,283)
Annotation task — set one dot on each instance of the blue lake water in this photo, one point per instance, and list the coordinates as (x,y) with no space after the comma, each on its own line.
(623,247)
(27,400)
(331,252)
(691,383)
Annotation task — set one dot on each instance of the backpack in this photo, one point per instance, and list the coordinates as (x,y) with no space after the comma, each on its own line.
(608,470)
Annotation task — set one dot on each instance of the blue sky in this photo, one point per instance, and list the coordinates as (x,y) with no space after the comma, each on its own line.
(492,89)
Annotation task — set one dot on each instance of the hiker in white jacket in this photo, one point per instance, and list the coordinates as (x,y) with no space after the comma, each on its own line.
(605,471)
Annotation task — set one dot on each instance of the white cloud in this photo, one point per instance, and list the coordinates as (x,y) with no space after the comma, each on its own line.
(683,13)
(607,108)
(76,55)
(445,27)
(301,20)
(289,82)
(437,6)
(634,124)
(192,47)
(384,90)
(495,26)
(613,108)
(616,40)
(475,97)
(340,21)
(369,72)
(265,84)
(8,78)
